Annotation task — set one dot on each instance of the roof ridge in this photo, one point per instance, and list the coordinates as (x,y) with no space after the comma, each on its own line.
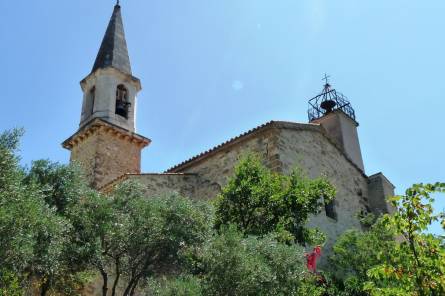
(269,124)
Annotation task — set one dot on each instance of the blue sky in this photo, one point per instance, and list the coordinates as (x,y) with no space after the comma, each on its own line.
(211,70)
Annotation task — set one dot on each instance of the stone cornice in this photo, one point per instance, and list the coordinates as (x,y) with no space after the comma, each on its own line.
(112,71)
(99,125)
(335,112)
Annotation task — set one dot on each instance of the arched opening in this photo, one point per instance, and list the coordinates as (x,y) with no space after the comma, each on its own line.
(122,102)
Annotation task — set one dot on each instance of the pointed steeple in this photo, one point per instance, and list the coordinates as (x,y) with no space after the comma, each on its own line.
(113,51)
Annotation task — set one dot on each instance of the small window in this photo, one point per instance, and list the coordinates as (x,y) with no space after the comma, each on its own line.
(92,99)
(88,107)
(330,210)
(122,103)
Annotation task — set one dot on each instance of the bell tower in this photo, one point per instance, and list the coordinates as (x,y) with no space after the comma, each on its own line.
(106,144)
(335,114)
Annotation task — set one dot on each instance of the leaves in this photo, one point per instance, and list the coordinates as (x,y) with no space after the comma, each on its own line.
(397,256)
(259,202)
(37,239)
(232,264)
(139,236)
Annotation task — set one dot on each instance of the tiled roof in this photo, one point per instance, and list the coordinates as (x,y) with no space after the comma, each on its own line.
(271,124)
(214,149)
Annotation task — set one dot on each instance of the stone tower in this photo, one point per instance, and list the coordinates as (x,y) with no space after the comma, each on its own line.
(334,112)
(106,144)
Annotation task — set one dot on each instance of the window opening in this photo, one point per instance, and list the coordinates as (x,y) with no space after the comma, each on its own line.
(92,99)
(330,210)
(122,104)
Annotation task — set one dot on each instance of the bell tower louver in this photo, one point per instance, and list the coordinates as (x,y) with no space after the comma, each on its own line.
(106,144)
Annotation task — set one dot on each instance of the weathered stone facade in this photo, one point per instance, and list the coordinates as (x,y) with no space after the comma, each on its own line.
(108,148)
(106,151)
(283,146)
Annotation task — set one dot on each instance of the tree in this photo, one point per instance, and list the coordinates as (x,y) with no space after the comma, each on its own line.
(397,256)
(60,260)
(21,211)
(140,236)
(36,237)
(238,265)
(355,252)
(259,201)
(417,263)
(62,185)
(230,263)
(183,285)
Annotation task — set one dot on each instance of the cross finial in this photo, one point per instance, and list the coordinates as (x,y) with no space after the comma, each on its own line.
(117,3)
(326,78)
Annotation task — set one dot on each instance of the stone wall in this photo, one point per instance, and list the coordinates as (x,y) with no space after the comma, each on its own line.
(215,169)
(106,152)
(317,156)
(85,155)
(163,184)
(284,147)
(379,190)
(342,129)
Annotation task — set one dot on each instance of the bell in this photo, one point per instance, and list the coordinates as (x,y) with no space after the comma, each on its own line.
(328,105)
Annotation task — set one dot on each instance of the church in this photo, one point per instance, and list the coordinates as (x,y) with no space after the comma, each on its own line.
(108,147)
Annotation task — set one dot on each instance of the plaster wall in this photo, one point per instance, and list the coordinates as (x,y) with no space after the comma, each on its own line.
(105,82)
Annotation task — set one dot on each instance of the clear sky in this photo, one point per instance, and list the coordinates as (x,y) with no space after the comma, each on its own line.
(211,70)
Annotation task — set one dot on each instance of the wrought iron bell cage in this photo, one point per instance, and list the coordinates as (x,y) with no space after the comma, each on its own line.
(328,101)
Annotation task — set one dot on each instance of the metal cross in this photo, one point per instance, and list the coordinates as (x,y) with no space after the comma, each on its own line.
(117,2)
(326,78)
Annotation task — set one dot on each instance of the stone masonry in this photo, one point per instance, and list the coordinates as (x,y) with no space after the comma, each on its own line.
(283,147)
(108,148)
(106,151)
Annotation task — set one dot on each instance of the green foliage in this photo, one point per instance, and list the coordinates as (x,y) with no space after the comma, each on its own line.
(397,256)
(138,237)
(10,284)
(177,286)
(417,263)
(231,264)
(259,201)
(62,185)
(59,256)
(35,238)
(355,252)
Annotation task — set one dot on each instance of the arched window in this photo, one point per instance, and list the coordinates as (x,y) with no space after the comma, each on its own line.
(122,103)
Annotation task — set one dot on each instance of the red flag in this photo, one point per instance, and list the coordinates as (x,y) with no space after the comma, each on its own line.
(312,259)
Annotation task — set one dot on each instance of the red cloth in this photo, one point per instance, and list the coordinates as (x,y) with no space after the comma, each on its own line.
(312,259)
